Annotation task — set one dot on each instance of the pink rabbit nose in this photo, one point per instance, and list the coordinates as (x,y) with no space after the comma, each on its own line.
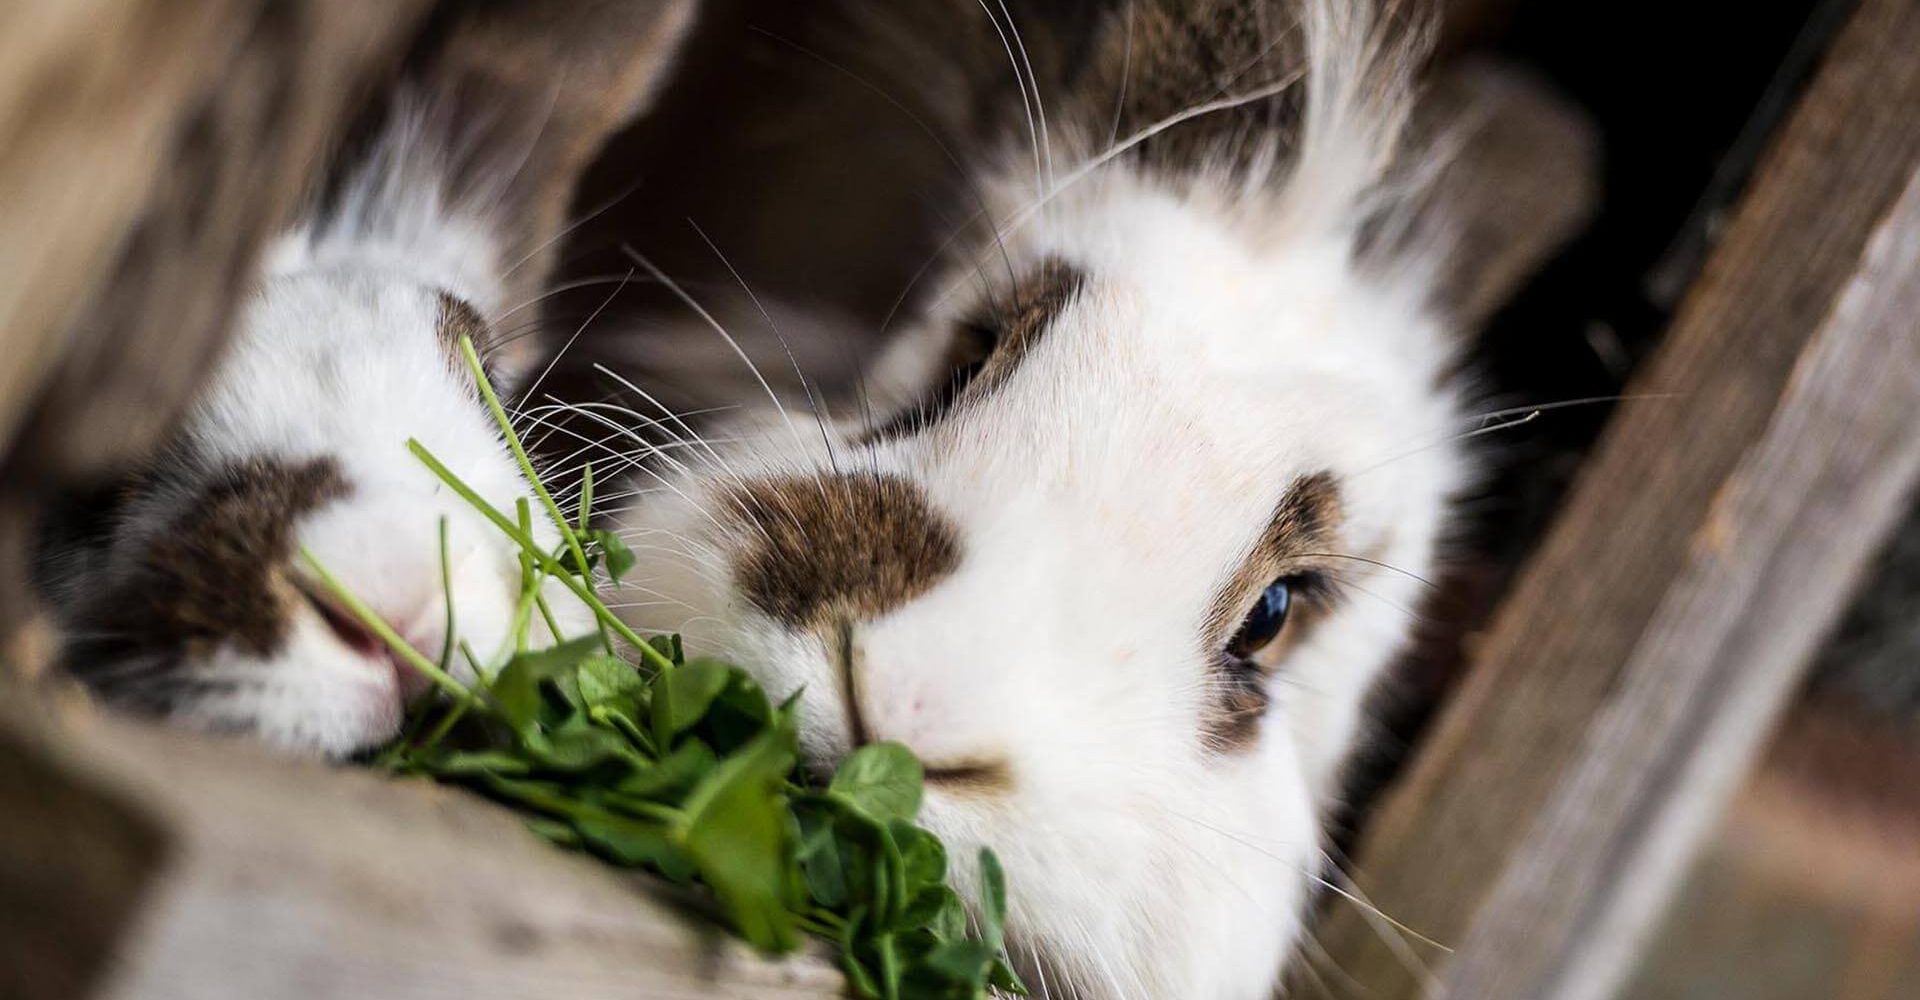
(899,706)
(419,628)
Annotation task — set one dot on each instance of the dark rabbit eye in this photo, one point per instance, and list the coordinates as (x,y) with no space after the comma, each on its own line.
(972,343)
(1268,617)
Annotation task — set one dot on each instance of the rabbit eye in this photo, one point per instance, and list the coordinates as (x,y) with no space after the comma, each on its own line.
(968,352)
(1268,616)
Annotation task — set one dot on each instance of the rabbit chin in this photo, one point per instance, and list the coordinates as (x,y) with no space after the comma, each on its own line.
(1175,882)
(315,695)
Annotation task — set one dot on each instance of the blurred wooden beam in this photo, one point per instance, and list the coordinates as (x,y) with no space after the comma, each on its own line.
(144,864)
(1716,534)
(1811,885)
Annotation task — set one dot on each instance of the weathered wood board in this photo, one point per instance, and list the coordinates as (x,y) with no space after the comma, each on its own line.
(1637,667)
(143,864)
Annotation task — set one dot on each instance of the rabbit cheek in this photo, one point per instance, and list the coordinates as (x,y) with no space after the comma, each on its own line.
(204,592)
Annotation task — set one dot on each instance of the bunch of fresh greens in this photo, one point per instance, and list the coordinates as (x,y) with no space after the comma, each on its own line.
(622,746)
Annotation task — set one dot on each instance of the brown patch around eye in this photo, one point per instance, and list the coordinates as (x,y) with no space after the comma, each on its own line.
(1304,523)
(213,576)
(845,545)
(458,319)
(989,346)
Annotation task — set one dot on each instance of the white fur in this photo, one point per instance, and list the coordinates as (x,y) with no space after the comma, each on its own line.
(345,364)
(1224,344)
(337,356)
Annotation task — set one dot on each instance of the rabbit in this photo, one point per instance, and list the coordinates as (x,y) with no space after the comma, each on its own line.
(1139,506)
(177,591)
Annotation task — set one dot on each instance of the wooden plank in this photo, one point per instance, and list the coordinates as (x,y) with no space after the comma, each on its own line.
(1811,885)
(209,869)
(1642,656)
(206,132)
(91,95)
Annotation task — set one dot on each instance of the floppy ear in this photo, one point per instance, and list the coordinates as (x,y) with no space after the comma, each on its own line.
(1517,177)
(537,87)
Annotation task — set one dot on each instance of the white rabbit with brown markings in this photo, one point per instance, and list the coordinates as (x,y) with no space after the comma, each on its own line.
(1142,504)
(177,590)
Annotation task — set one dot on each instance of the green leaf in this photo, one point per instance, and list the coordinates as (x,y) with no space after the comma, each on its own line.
(600,547)
(739,714)
(925,856)
(737,834)
(859,978)
(682,695)
(464,762)
(820,857)
(614,553)
(882,780)
(993,899)
(605,680)
(1002,977)
(555,831)
(668,646)
(938,910)
(967,962)
(577,745)
(623,723)
(672,775)
(517,689)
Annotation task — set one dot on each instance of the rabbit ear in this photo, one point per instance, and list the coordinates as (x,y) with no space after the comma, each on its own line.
(1515,175)
(533,89)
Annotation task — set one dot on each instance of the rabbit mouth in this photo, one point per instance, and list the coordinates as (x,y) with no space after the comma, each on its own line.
(971,777)
(339,619)
(356,635)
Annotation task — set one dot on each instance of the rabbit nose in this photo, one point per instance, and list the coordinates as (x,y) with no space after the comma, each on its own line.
(414,627)
(897,706)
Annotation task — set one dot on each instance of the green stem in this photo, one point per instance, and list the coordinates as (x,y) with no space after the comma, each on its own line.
(586,495)
(520,452)
(378,626)
(446,590)
(889,967)
(479,672)
(546,614)
(529,587)
(453,716)
(547,562)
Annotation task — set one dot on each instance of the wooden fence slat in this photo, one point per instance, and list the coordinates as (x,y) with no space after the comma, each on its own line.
(209,869)
(1631,676)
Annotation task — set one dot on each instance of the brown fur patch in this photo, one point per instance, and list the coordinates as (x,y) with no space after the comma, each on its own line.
(1304,522)
(216,575)
(989,346)
(1159,58)
(458,319)
(838,546)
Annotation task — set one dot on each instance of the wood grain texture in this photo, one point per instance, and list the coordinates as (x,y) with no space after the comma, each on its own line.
(224,158)
(1811,886)
(82,137)
(1713,538)
(225,872)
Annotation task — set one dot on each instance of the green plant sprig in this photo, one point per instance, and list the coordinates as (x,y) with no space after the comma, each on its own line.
(689,769)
